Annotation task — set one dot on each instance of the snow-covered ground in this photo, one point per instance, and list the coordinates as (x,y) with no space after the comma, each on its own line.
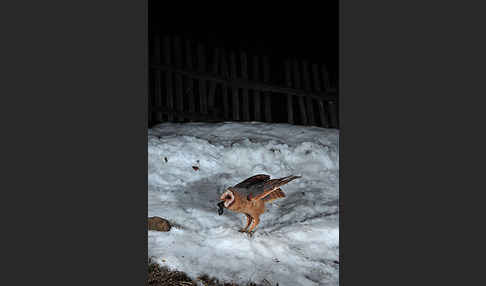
(297,240)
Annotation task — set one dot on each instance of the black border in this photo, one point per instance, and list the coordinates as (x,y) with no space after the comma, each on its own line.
(74,148)
(411,90)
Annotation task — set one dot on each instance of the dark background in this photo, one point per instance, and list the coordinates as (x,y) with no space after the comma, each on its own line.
(310,33)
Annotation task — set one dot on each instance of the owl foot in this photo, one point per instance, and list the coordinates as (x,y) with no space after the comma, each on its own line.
(242,230)
(250,233)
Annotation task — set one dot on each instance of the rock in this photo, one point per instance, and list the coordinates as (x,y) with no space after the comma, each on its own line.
(158,224)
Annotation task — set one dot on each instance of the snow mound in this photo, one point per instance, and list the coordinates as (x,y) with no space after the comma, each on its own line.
(297,240)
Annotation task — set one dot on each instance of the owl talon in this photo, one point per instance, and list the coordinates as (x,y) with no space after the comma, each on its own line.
(242,230)
(250,233)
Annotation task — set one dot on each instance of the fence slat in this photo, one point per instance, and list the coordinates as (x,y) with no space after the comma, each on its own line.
(178,78)
(332,106)
(212,84)
(317,87)
(266,78)
(234,90)
(256,93)
(303,114)
(244,92)
(189,85)
(315,77)
(308,99)
(333,114)
(157,79)
(201,62)
(325,78)
(168,77)
(225,94)
(322,114)
(288,83)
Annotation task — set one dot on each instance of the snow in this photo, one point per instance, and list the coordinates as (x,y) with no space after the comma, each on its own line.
(297,240)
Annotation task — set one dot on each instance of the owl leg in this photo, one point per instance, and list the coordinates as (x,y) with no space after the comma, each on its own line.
(248,221)
(256,221)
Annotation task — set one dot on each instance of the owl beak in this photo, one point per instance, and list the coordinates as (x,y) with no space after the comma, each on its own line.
(220,207)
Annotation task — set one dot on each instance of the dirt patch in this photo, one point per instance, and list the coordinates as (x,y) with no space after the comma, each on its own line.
(158,224)
(158,276)
(211,281)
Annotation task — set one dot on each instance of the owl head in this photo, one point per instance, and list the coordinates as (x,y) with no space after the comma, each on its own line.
(227,200)
(228,197)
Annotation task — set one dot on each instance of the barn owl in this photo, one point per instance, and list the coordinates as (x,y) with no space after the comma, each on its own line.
(249,197)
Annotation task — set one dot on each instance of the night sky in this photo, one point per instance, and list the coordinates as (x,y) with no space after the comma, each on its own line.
(305,33)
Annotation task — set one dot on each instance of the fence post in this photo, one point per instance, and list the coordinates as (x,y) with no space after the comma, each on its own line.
(256,93)
(332,105)
(189,86)
(307,87)
(303,114)
(201,61)
(325,78)
(236,101)
(288,82)
(212,84)
(157,79)
(168,79)
(178,77)
(225,94)
(244,93)
(317,87)
(266,79)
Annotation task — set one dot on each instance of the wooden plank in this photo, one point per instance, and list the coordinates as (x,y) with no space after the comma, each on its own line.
(168,77)
(225,93)
(189,82)
(315,77)
(256,93)
(234,90)
(157,78)
(201,66)
(326,78)
(332,107)
(191,115)
(178,78)
(322,114)
(308,99)
(244,92)
(320,103)
(303,113)
(212,84)
(288,82)
(249,84)
(149,102)
(266,78)
(333,110)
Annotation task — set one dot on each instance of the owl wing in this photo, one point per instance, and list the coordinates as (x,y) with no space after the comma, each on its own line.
(263,189)
(260,178)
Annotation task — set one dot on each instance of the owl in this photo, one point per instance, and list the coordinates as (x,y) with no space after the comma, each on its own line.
(249,197)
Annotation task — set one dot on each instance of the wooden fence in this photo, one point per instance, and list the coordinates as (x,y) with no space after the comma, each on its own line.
(189,84)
